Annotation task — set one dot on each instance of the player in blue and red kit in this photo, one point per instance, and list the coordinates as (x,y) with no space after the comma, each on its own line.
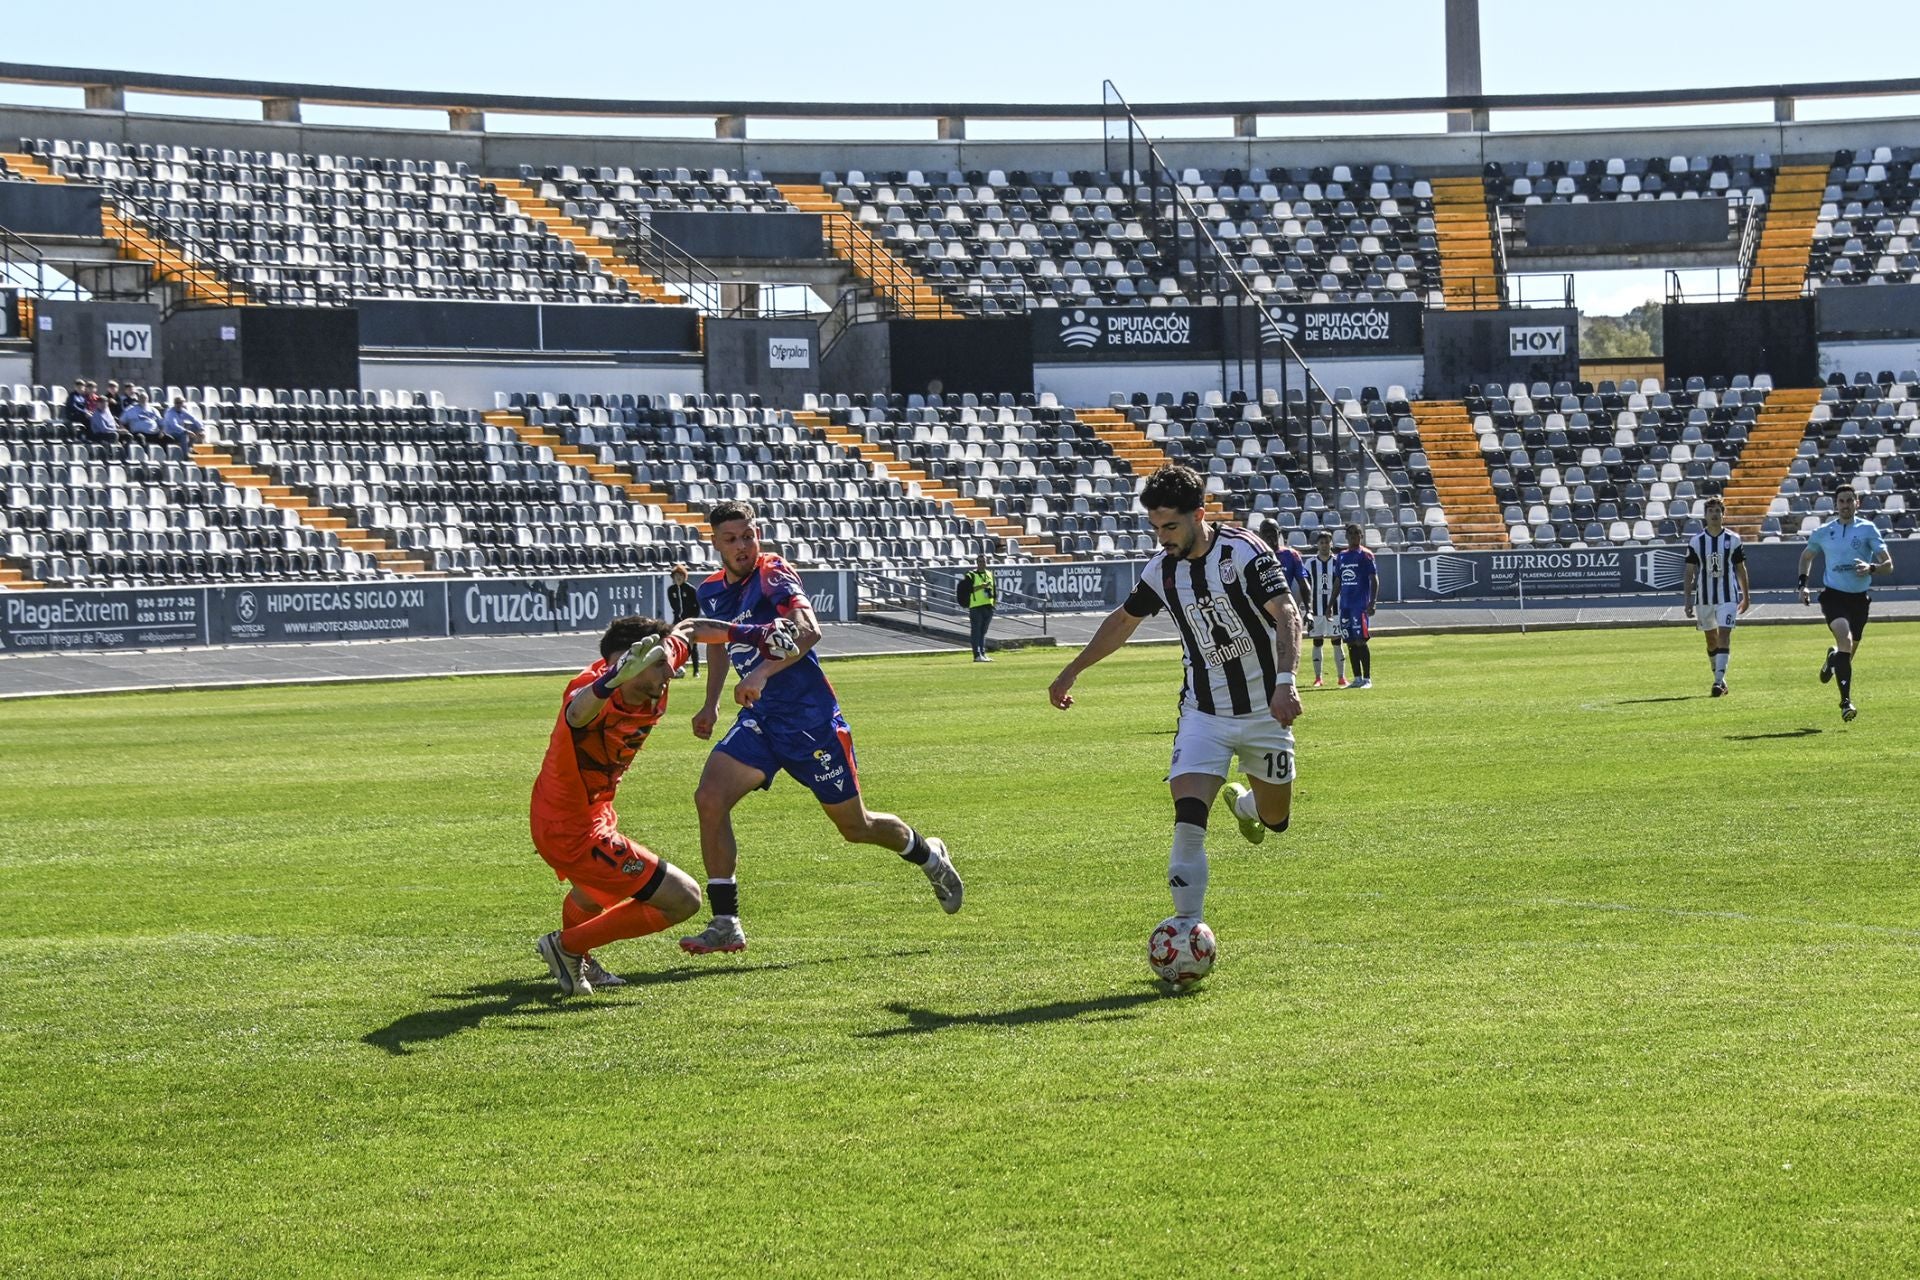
(789,721)
(1359,592)
(1292,564)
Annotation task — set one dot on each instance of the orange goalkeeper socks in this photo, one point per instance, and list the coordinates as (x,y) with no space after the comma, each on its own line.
(628,920)
(574,912)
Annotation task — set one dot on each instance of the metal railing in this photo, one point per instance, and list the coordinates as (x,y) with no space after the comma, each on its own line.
(1522,289)
(181,257)
(24,266)
(1499,224)
(678,270)
(1755,215)
(1734,284)
(874,262)
(1225,268)
(868,299)
(855,305)
(107,90)
(928,594)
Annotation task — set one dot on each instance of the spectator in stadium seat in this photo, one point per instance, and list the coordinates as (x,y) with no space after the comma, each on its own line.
(79,413)
(102,426)
(116,403)
(977,596)
(140,420)
(182,427)
(684,603)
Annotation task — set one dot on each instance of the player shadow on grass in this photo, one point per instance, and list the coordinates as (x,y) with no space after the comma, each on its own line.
(539,998)
(921,1021)
(476,1004)
(1637,702)
(1807,732)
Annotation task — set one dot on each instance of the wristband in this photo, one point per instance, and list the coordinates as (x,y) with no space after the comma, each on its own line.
(602,686)
(1285,677)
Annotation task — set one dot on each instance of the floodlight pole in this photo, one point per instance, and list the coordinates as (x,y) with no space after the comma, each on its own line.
(1463,64)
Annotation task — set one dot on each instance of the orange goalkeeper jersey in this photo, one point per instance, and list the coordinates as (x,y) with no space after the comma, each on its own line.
(573,796)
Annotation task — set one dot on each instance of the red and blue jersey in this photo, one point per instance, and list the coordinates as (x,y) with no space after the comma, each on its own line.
(798,697)
(1357,573)
(1292,565)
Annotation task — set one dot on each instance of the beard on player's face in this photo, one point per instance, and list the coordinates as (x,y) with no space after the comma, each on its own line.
(738,548)
(1178,536)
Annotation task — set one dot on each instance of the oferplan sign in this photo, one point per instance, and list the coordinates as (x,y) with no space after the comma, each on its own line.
(789,353)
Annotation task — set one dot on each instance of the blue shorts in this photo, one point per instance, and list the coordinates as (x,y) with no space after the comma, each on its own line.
(820,759)
(1353,626)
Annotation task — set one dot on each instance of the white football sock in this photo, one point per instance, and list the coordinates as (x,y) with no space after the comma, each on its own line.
(1316,662)
(1720,665)
(1340,662)
(1245,806)
(1187,869)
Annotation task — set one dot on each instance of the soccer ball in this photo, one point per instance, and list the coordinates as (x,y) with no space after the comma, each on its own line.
(1181,951)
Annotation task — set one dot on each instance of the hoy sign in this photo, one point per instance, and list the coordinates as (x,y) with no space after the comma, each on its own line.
(129,342)
(1539,340)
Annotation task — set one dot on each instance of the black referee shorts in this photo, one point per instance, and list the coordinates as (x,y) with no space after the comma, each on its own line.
(1851,605)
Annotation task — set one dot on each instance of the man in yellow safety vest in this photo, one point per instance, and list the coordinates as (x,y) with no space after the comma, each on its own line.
(976,593)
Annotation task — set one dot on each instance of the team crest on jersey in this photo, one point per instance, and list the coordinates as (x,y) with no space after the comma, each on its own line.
(633,866)
(1229,571)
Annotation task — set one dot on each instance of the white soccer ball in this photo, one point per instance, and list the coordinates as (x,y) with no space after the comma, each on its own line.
(1181,950)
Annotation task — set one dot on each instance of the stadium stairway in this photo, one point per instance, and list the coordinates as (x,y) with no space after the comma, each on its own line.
(1142,456)
(899,284)
(1468,278)
(166,262)
(1771,447)
(597,251)
(606,473)
(1786,237)
(885,463)
(14,579)
(349,536)
(1460,475)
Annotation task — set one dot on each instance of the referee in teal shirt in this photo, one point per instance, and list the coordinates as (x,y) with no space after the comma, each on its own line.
(1854,552)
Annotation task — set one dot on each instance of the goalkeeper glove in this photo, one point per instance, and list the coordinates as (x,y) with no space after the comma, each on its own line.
(783,639)
(643,653)
(776,640)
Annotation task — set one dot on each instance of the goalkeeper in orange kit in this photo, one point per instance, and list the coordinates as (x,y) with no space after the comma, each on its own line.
(621,889)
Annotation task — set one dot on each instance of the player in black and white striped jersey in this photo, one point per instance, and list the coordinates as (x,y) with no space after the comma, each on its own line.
(1240,641)
(1323,607)
(1716,587)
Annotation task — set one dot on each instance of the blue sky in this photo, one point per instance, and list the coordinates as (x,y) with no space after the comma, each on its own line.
(976,50)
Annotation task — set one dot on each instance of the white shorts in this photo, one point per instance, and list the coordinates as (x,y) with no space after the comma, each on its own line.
(1208,744)
(1324,628)
(1716,617)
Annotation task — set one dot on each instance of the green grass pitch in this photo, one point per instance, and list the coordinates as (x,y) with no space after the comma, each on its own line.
(1563,969)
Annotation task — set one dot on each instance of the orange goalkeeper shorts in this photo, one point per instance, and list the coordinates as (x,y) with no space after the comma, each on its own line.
(609,869)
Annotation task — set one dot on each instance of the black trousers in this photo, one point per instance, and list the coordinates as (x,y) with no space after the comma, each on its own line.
(981,617)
